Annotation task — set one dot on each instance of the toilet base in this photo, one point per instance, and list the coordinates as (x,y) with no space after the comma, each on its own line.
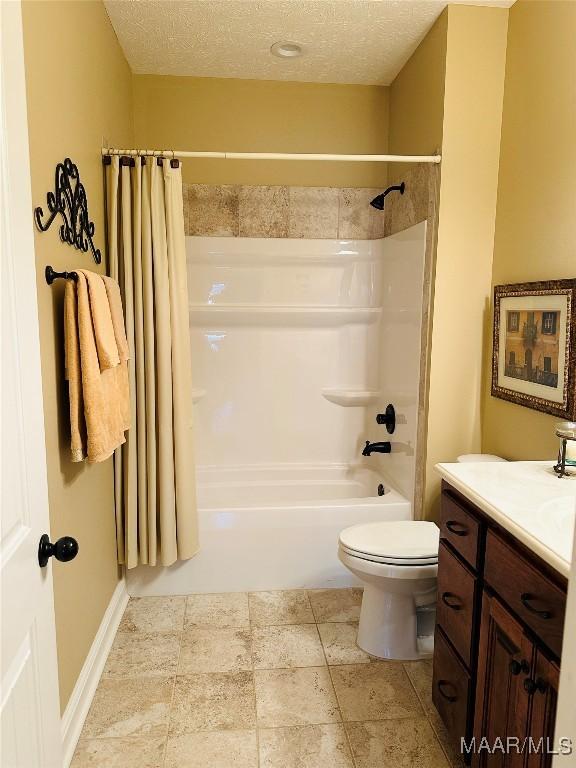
(388,626)
(399,602)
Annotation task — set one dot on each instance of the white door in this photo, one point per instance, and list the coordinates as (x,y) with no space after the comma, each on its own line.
(29,678)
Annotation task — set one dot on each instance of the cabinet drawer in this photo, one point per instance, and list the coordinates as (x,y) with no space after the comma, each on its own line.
(450,689)
(460,528)
(456,601)
(529,593)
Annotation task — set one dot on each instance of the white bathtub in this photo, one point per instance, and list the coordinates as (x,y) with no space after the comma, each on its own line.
(273,527)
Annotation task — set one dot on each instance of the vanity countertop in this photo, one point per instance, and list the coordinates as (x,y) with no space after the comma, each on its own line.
(527,499)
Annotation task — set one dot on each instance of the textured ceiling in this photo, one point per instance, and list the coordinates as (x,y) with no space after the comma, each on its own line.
(344,41)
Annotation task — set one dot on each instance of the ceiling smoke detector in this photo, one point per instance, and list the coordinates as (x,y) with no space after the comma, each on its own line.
(286,50)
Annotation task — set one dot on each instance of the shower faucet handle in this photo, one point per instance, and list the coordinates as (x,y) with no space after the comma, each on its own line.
(388,418)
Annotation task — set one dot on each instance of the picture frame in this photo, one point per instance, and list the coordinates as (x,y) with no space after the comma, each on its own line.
(534,346)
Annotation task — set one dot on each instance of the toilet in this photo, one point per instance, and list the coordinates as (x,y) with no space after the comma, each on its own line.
(397,562)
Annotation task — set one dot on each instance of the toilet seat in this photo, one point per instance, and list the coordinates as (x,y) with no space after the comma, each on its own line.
(401,543)
(411,561)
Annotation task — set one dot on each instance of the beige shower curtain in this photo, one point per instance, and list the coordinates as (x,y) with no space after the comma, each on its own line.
(155,493)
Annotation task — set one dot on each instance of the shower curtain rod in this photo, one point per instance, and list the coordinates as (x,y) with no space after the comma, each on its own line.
(277,156)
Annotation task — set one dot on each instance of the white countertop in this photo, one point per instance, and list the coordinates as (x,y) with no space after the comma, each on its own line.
(527,499)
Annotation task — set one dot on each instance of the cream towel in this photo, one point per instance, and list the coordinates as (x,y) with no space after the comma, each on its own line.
(98,428)
(104,334)
(73,374)
(117,314)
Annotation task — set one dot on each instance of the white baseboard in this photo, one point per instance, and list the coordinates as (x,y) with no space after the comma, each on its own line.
(85,688)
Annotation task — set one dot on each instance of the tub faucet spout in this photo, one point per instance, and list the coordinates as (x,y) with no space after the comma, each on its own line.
(370,448)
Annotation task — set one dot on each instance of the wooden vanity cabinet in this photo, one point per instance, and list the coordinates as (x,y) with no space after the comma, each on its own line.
(498,638)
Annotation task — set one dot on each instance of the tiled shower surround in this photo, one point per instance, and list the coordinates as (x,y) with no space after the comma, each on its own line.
(314,212)
(307,212)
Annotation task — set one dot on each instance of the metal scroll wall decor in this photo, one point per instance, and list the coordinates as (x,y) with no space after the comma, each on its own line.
(69,201)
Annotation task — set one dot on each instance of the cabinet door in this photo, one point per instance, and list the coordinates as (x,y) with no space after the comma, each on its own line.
(502,703)
(544,696)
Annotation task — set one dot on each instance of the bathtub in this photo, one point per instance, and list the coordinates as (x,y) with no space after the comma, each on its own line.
(273,527)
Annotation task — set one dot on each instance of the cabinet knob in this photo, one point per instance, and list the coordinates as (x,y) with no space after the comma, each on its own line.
(541,685)
(65,549)
(530,686)
(519,666)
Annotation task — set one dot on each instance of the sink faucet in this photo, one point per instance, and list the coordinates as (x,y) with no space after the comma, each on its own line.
(370,448)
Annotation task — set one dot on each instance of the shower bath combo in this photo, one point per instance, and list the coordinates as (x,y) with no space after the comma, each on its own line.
(298,345)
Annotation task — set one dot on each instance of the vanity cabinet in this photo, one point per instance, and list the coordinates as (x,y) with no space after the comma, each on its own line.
(500,618)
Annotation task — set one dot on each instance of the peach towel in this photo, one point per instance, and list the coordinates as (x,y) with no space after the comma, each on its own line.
(96,368)
(117,314)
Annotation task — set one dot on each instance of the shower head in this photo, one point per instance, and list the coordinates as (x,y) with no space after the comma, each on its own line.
(378,201)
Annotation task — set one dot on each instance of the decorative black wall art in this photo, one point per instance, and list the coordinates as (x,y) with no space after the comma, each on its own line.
(69,201)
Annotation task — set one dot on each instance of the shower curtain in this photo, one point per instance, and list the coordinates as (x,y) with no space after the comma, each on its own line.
(155,494)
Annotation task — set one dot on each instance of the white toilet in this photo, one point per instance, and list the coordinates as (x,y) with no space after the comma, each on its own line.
(398,564)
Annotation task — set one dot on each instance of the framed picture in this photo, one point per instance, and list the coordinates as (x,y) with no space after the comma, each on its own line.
(534,352)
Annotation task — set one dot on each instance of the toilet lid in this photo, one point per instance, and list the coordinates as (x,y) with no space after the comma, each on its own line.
(405,540)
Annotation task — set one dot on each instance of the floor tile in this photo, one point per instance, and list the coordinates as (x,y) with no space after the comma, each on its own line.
(295,697)
(215,649)
(420,674)
(375,691)
(213,749)
(153,614)
(141,654)
(288,607)
(339,641)
(228,609)
(292,645)
(119,753)
(336,604)
(308,746)
(130,707)
(406,743)
(451,749)
(220,701)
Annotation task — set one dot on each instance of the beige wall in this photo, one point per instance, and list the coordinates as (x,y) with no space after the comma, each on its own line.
(417,96)
(535,223)
(473,93)
(416,123)
(264,116)
(79,91)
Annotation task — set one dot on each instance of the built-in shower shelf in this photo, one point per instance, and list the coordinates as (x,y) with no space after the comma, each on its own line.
(197,395)
(350,398)
(278,315)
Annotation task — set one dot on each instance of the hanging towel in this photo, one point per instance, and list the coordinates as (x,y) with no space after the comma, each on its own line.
(117,313)
(74,374)
(99,397)
(104,334)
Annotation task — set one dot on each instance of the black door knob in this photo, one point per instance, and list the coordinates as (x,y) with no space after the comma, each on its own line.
(65,549)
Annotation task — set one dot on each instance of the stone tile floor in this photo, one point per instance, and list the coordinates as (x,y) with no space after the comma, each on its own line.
(259,680)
